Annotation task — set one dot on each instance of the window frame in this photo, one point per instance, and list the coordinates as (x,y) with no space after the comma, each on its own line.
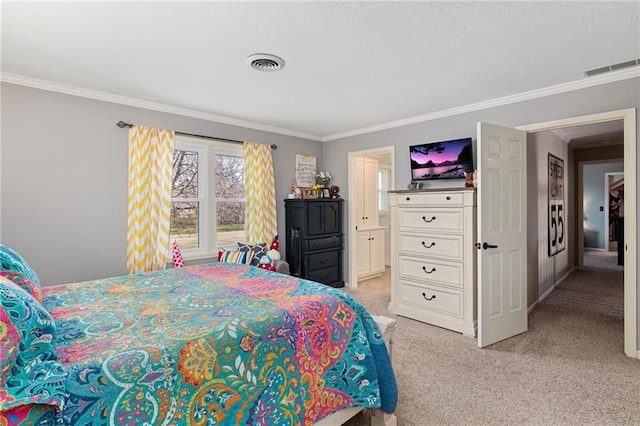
(207,217)
(383,193)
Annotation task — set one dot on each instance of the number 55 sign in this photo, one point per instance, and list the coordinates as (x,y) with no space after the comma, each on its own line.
(557,236)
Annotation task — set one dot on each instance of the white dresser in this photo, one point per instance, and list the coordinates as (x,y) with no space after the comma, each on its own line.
(433,257)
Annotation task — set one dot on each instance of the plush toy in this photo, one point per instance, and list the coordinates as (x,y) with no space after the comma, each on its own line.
(274,254)
(469,179)
(266,263)
(275,244)
(177,256)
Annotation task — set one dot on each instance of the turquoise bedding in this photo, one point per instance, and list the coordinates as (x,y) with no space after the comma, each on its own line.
(212,344)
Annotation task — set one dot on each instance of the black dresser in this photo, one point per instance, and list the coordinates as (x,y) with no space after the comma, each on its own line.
(314,240)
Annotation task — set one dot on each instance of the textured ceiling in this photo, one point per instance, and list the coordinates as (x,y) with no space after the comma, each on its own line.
(349,65)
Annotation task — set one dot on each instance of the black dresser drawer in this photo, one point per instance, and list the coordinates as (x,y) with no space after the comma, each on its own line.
(323,243)
(329,276)
(322,260)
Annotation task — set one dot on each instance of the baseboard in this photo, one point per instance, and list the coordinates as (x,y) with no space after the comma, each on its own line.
(548,292)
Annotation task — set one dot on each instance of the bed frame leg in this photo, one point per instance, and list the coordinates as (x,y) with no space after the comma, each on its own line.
(380,418)
(387,327)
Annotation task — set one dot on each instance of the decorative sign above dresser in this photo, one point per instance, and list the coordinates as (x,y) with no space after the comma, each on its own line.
(305,170)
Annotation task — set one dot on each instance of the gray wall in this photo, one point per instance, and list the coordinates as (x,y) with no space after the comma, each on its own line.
(543,270)
(606,97)
(594,192)
(64,178)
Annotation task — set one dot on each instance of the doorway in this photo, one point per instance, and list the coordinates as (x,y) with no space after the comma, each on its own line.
(630,239)
(385,158)
(601,212)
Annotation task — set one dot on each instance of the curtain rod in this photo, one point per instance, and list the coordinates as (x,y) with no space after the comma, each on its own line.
(122,125)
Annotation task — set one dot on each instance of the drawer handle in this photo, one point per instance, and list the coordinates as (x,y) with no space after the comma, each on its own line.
(448,198)
(408,198)
(428,272)
(430,245)
(430,220)
(428,298)
(324,261)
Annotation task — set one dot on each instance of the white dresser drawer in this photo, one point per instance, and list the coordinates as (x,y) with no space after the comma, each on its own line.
(449,247)
(429,270)
(434,220)
(430,199)
(435,299)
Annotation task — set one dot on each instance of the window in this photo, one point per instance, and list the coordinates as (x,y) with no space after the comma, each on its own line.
(384,185)
(208,198)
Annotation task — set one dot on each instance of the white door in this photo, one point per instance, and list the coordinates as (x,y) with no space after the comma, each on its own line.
(359,193)
(377,251)
(370,190)
(502,233)
(364,253)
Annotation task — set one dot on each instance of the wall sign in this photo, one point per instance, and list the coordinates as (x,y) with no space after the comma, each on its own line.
(305,170)
(556,211)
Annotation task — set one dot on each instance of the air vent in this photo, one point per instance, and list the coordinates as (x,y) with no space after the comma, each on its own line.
(610,68)
(265,62)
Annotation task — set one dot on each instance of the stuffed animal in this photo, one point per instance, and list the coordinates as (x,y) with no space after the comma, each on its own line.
(469,179)
(266,263)
(274,254)
(334,191)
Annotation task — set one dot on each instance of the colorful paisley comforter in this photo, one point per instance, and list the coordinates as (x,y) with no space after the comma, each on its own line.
(214,344)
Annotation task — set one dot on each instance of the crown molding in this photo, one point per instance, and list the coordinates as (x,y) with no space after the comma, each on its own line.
(562,135)
(597,80)
(154,106)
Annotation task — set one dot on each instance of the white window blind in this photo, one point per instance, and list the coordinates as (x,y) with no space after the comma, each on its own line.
(384,185)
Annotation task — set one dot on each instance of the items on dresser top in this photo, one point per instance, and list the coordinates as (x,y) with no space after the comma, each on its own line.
(433,257)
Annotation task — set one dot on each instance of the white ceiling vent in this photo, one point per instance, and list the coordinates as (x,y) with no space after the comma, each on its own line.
(610,68)
(265,62)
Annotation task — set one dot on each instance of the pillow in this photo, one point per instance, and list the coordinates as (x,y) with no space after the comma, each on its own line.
(258,251)
(24,283)
(29,369)
(12,262)
(228,256)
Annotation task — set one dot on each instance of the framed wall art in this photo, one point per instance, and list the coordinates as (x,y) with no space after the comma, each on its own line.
(305,170)
(556,207)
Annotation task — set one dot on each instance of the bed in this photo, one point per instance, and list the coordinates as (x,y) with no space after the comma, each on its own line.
(211,344)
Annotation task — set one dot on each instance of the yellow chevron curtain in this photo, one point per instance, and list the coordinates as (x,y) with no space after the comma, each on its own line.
(149,208)
(260,218)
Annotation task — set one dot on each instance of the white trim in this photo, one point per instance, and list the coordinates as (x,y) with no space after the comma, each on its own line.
(597,80)
(548,292)
(611,77)
(150,105)
(630,210)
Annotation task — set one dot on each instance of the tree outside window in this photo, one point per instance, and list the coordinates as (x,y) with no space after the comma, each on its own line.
(208,197)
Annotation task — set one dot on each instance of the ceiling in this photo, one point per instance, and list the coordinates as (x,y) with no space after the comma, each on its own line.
(607,133)
(351,67)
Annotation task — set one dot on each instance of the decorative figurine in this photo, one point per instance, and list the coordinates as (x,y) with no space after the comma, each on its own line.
(334,191)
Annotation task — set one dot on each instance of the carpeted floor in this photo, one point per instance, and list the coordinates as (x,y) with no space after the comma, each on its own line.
(568,369)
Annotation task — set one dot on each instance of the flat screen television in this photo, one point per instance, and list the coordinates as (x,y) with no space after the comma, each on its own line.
(441,160)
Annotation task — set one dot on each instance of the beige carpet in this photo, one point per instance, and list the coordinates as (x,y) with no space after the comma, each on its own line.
(568,369)
(596,258)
